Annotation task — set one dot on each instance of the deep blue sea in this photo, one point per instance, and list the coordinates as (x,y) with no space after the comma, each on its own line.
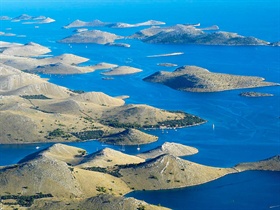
(246,129)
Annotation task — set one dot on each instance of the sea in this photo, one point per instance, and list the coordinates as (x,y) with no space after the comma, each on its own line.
(238,129)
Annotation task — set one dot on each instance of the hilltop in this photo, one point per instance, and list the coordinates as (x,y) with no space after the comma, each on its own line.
(169,172)
(108,158)
(197,79)
(129,137)
(170,148)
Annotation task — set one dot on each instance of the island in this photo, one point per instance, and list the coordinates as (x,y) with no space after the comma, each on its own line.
(255,94)
(28,19)
(80,23)
(129,136)
(43,21)
(176,34)
(197,79)
(167,64)
(92,36)
(98,23)
(121,70)
(189,34)
(127,25)
(59,175)
(3,17)
(118,44)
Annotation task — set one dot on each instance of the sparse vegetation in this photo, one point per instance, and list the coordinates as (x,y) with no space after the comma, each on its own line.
(85,135)
(56,133)
(152,177)
(77,91)
(141,207)
(187,120)
(24,200)
(111,171)
(42,97)
(101,189)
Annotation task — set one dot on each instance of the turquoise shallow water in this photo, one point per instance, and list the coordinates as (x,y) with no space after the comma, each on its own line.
(246,129)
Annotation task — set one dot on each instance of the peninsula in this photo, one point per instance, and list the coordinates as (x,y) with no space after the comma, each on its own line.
(59,176)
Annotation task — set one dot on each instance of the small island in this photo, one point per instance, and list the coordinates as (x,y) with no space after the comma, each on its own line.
(197,79)
(255,94)
(167,64)
(92,36)
(118,45)
(121,70)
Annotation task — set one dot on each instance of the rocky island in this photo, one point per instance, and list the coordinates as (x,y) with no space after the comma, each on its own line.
(167,64)
(121,70)
(189,34)
(197,79)
(177,34)
(255,94)
(98,23)
(92,36)
(28,19)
